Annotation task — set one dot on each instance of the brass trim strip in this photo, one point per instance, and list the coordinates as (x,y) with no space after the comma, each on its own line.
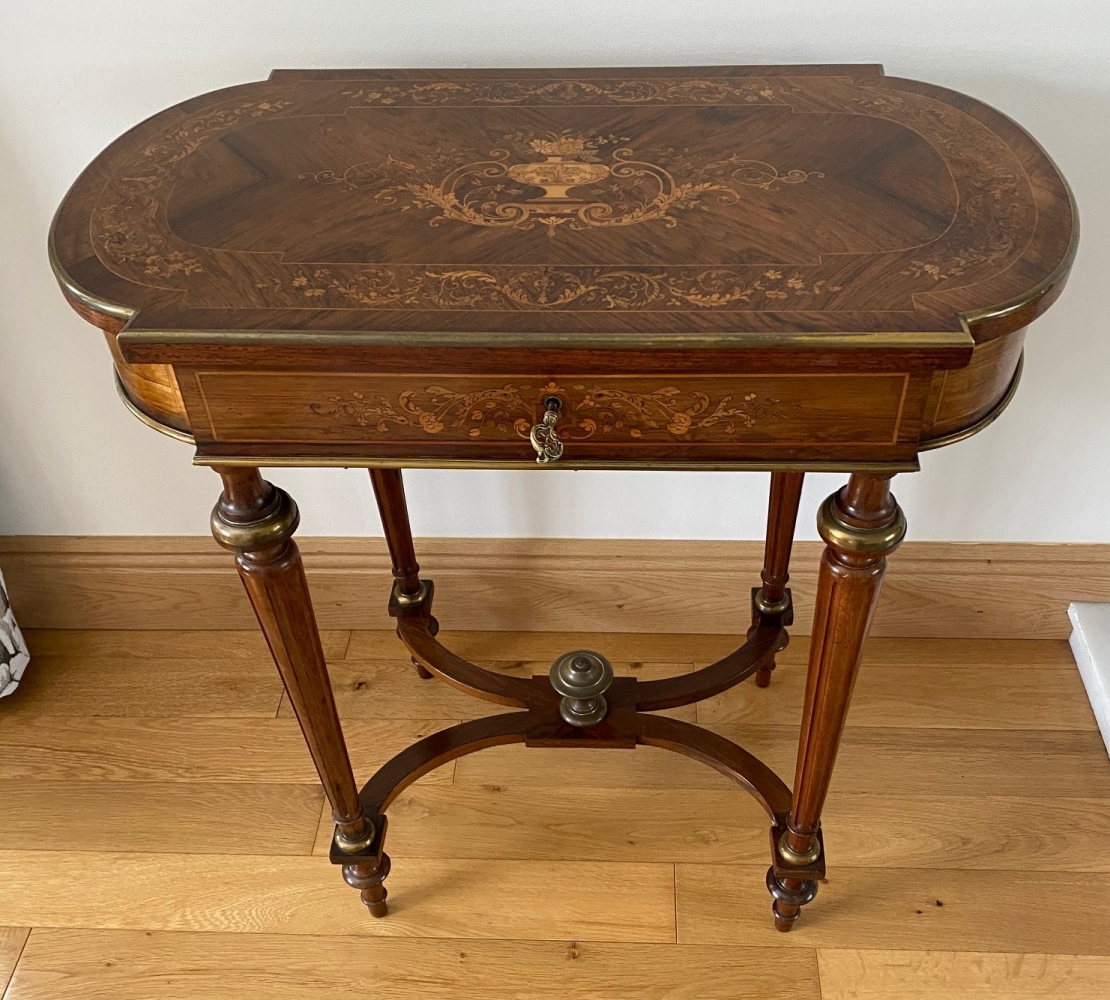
(334,462)
(909,340)
(146,418)
(954,436)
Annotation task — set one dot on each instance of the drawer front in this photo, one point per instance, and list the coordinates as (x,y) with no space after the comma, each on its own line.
(609,417)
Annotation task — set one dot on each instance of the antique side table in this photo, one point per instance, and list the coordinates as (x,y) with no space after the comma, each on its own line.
(781,268)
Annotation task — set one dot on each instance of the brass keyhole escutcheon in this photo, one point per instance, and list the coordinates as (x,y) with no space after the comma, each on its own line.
(543,437)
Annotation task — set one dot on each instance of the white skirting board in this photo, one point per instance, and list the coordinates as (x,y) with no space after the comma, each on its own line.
(1090,643)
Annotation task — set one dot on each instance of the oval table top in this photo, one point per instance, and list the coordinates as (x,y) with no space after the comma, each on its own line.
(713,206)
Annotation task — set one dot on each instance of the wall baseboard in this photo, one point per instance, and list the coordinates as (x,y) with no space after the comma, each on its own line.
(956,589)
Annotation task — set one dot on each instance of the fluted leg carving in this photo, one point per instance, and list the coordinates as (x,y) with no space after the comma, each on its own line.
(772,599)
(389,491)
(256,521)
(861,525)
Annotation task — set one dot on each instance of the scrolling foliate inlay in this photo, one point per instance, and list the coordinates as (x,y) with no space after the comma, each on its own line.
(127,216)
(433,410)
(500,93)
(619,189)
(510,410)
(545,288)
(993,223)
(995,213)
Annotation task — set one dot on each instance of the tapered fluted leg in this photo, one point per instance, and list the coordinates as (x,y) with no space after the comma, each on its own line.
(782,515)
(389,491)
(861,525)
(256,521)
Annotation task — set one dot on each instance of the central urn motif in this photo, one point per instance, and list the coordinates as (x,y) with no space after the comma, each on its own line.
(560,172)
(495,190)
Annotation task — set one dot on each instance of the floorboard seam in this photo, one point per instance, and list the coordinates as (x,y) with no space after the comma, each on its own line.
(18,959)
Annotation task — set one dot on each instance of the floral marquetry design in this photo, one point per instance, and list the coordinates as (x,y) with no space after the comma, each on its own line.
(679,412)
(549,288)
(505,93)
(707,202)
(127,219)
(580,189)
(590,409)
(434,409)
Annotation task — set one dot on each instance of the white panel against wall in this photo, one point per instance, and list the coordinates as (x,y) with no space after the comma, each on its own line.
(75,75)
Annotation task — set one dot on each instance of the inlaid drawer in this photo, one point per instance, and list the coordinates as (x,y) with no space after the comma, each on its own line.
(608,417)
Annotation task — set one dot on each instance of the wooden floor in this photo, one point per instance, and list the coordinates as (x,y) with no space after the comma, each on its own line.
(162,834)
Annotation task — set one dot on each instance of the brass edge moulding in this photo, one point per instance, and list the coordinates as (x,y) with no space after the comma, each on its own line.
(340,462)
(946,439)
(86,298)
(1058,275)
(860,541)
(246,536)
(146,418)
(910,340)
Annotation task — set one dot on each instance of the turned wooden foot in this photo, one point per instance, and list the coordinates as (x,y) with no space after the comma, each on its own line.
(861,525)
(772,600)
(369,878)
(790,895)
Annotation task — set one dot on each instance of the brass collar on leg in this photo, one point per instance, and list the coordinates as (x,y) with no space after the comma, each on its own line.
(860,541)
(409,600)
(799,858)
(355,846)
(276,526)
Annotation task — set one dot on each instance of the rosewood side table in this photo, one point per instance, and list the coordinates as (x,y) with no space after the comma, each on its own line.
(782,268)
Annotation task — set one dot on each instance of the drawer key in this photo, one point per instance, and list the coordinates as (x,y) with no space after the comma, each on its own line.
(543,437)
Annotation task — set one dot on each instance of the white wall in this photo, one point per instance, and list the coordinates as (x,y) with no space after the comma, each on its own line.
(74,74)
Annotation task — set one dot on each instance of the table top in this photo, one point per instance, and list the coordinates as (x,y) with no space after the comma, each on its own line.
(678,207)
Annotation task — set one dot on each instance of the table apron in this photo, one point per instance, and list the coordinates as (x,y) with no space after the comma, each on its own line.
(702,420)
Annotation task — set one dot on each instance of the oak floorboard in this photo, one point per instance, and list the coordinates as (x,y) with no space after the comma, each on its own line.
(524,900)
(165,644)
(703,648)
(179,750)
(548,873)
(12,943)
(947,975)
(947,694)
(390,689)
(129,965)
(160,817)
(892,762)
(727,826)
(659,647)
(148,687)
(902,909)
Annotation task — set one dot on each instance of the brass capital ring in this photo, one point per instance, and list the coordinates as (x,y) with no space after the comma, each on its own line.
(860,541)
(248,536)
(410,600)
(354,846)
(798,858)
(771,607)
